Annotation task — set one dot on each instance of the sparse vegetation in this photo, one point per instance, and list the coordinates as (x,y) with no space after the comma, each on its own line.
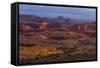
(55,41)
(38,52)
(70,42)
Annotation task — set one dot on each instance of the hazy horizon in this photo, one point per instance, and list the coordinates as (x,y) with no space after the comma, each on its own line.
(53,11)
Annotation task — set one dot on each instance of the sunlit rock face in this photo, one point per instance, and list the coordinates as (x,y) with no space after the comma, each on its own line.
(43,25)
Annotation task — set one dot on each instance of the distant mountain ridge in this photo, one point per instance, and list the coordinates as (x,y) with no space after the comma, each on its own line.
(59,19)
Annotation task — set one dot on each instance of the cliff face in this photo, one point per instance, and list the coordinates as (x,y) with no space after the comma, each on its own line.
(43,39)
(55,23)
(85,27)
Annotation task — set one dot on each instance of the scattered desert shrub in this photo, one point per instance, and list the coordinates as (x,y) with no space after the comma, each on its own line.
(70,42)
(92,42)
(88,42)
(38,52)
(58,38)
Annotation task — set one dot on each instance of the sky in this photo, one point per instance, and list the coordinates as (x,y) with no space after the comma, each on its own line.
(55,11)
